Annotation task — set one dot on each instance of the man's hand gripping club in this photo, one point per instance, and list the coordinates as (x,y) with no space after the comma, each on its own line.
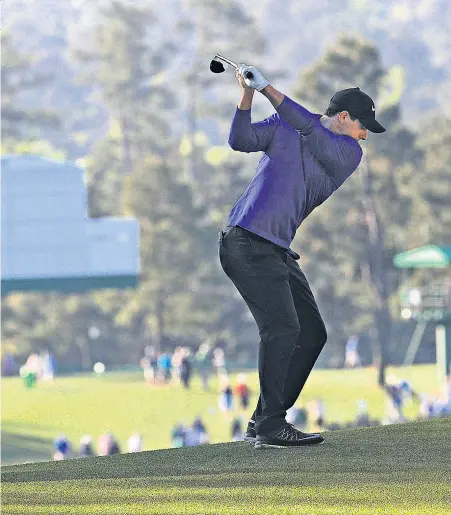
(259,83)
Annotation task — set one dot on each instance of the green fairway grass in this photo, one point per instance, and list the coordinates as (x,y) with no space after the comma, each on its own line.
(401,469)
(123,403)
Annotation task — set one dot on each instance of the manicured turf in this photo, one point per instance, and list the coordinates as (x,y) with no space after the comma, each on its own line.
(123,404)
(394,469)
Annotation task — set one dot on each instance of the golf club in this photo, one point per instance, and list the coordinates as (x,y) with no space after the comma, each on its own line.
(216,65)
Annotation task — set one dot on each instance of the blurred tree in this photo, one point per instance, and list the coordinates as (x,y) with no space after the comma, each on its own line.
(123,65)
(136,125)
(19,121)
(435,178)
(142,142)
(168,243)
(34,322)
(207,96)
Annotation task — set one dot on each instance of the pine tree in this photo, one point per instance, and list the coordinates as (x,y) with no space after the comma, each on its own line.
(124,66)
(435,179)
(18,76)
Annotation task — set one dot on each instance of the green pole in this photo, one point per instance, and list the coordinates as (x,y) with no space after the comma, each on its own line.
(448,350)
(443,351)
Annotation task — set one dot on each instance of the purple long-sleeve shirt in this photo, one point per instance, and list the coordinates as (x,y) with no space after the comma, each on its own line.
(302,165)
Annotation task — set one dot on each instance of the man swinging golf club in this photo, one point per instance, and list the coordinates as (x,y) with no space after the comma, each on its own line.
(306,157)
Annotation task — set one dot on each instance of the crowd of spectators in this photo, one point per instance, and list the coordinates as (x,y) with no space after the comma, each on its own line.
(184,435)
(107,445)
(234,398)
(39,366)
(163,367)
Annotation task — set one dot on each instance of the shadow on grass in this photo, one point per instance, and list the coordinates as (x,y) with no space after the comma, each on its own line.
(20,425)
(18,448)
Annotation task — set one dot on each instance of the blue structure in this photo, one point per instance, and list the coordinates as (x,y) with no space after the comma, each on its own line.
(48,241)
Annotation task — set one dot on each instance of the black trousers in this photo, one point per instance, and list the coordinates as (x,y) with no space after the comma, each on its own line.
(292,332)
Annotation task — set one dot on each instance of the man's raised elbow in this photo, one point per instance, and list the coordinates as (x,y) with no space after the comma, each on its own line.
(241,145)
(234,145)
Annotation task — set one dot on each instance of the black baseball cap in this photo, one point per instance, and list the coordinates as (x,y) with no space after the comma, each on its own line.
(359,105)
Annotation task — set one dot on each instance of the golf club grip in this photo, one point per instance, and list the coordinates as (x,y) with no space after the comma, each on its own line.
(249,75)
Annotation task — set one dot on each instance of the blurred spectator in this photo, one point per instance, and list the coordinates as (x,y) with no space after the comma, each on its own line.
(134,443)
(352,358)
(219,361)
(203,362)
(178,435)
(237,430)
(192,437)
(242,391)
(164,366)
(48,366)
(186,367)
(297,415)
(397,390)
(291,414)
(318,413)
(114,446)
(9,365)
(28,376)
(407,391)
(426,406)
(201,431)
(31,372)
(34,363)
(63,448)
(149,364)
(395,404)
(362,419)
(103,444)
(85,449)
(107,445)
(225,395)
(442,406)
(154,365)
(198,425)
(176,361)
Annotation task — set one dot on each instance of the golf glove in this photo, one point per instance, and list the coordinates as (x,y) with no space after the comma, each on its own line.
(258,82)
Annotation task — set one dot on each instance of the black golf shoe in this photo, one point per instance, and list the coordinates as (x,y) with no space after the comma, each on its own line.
(250,435)
(287,436)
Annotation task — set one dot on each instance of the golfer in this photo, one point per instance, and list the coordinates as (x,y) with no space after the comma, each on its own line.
(306,157)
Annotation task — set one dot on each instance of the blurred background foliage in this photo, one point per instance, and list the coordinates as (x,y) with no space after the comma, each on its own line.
(124,89)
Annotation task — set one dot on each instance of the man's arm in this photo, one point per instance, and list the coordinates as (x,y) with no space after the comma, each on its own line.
(293,113)
(245,102)
(274,96)
(244,135)
(339,155)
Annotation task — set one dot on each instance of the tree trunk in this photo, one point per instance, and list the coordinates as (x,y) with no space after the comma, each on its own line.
(191,158)
(158,334)
(383,323)
(375,257)
(83,344)
(127,164)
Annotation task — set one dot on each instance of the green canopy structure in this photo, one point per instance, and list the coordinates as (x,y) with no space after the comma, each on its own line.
(429,303)
(430,256)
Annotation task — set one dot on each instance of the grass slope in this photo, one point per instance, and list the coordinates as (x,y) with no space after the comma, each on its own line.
(398,469)
(123,404)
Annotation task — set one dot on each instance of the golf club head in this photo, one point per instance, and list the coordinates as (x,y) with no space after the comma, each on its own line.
(217,66)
